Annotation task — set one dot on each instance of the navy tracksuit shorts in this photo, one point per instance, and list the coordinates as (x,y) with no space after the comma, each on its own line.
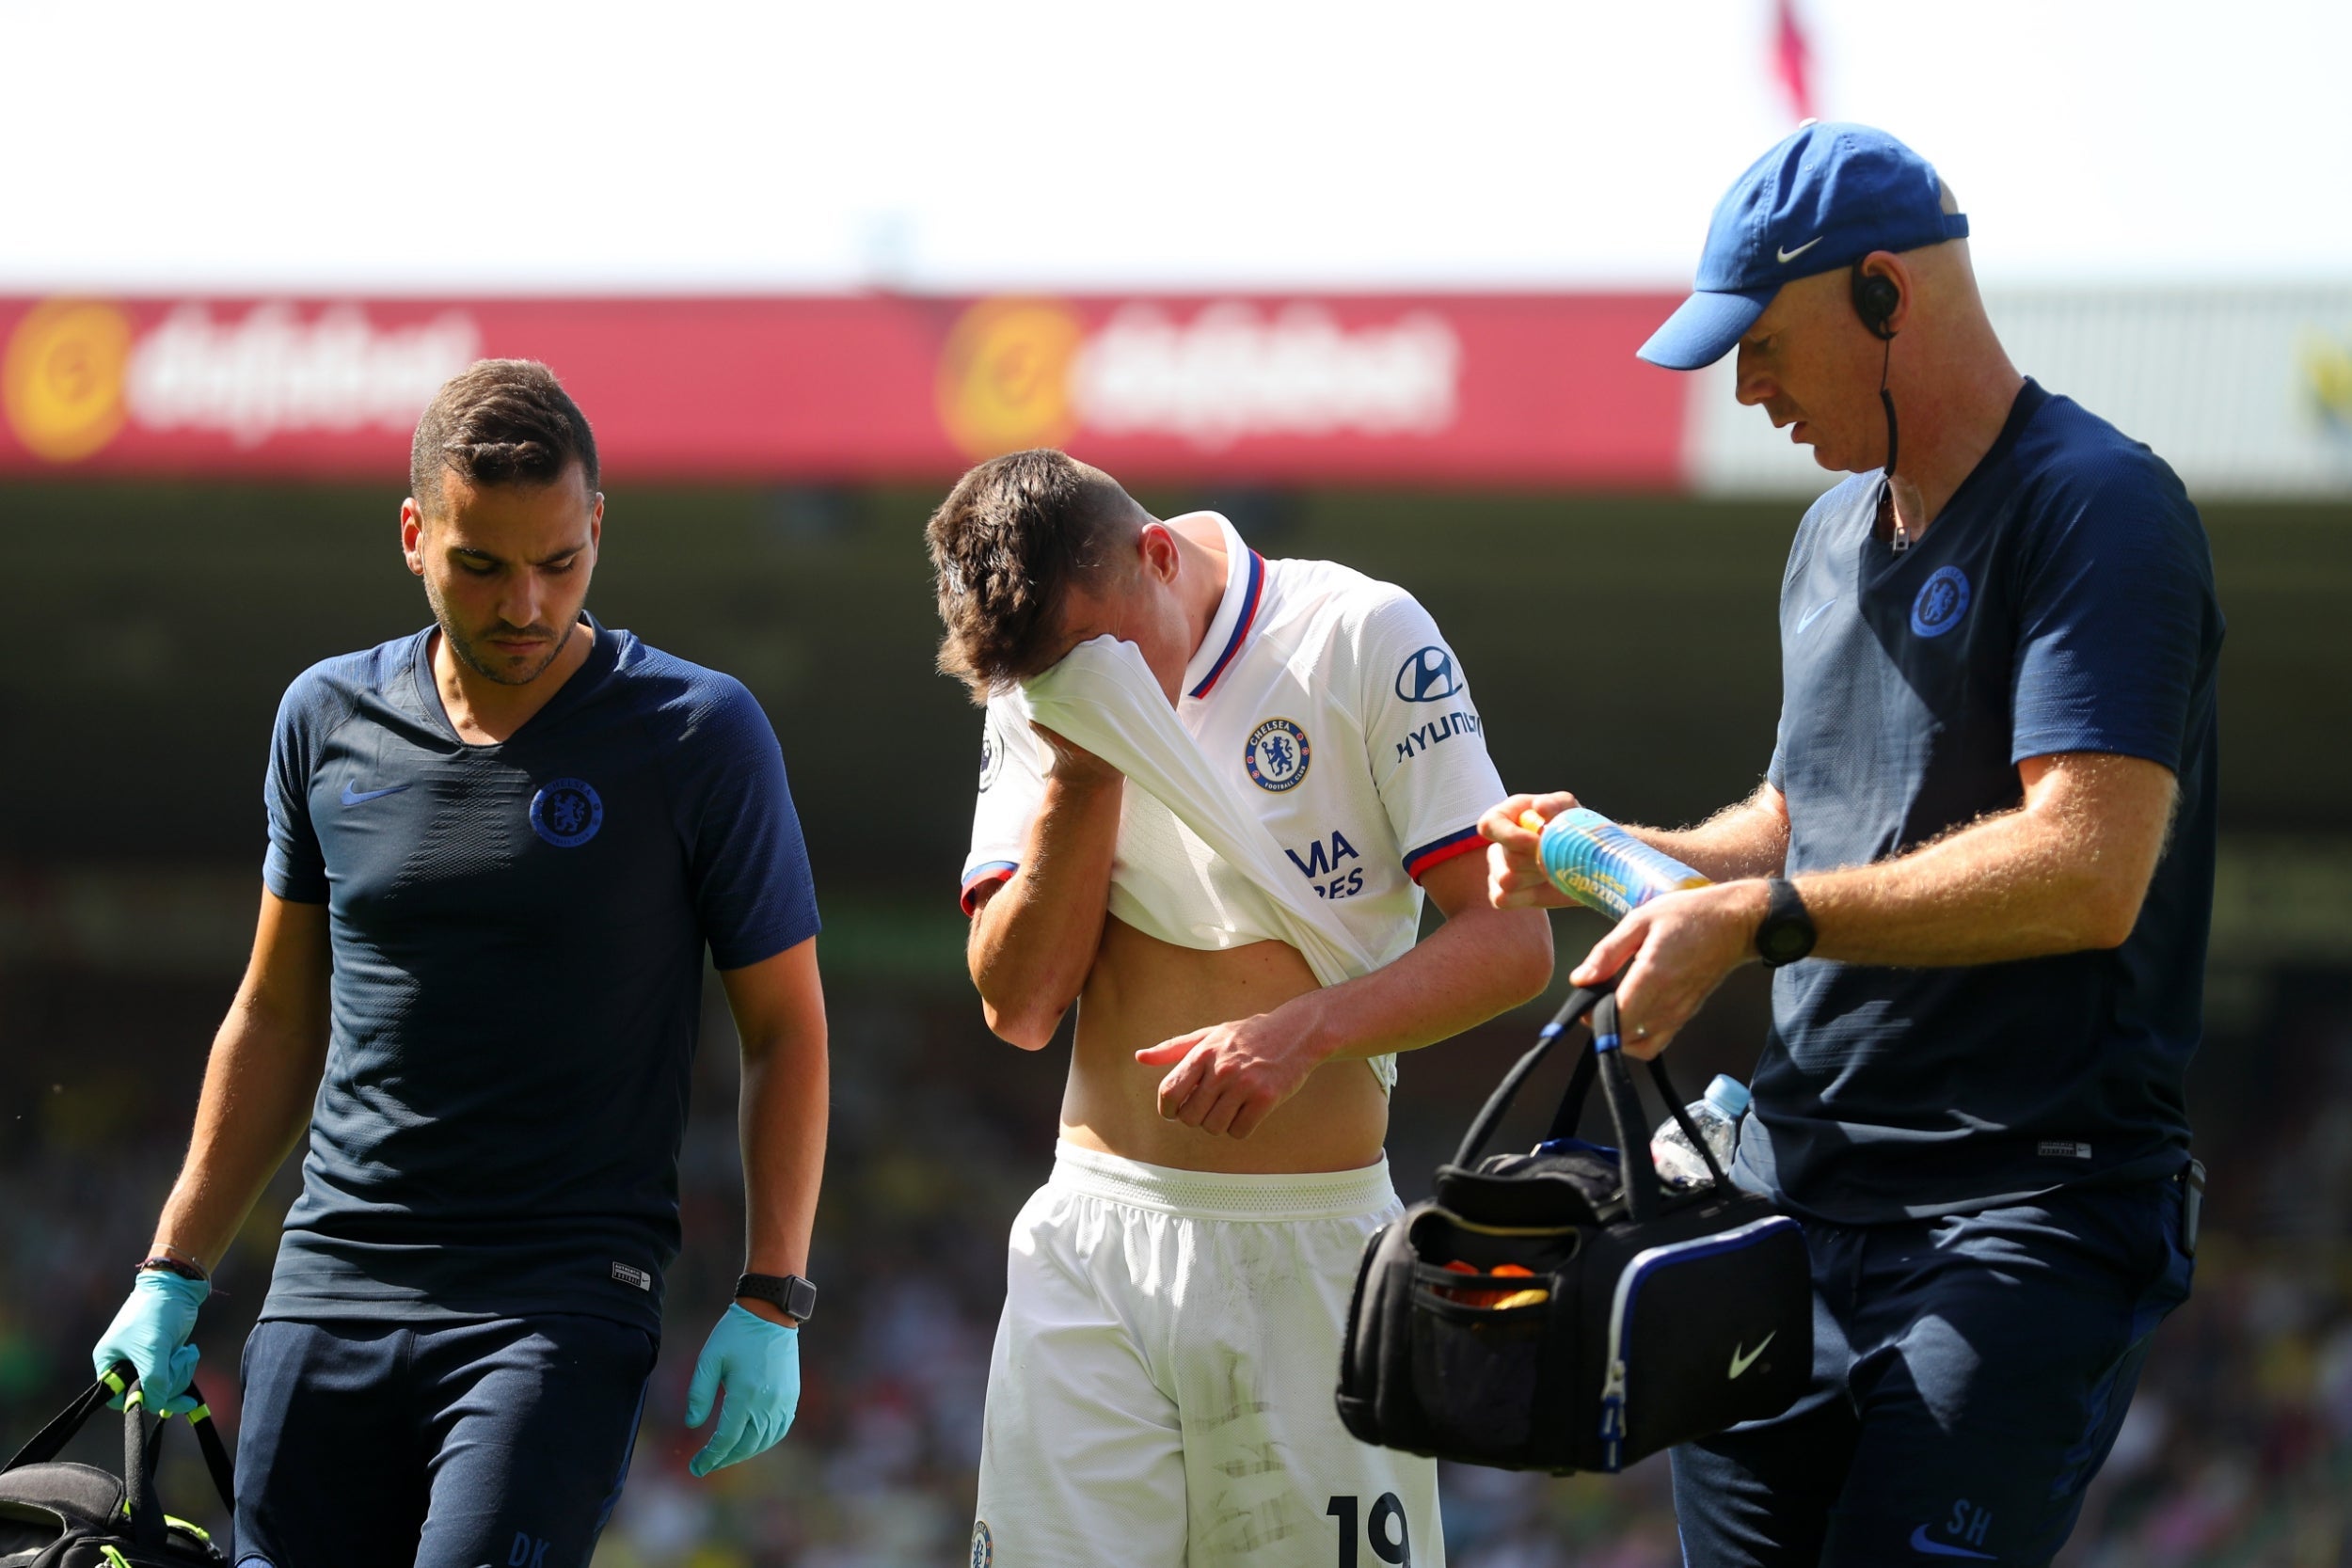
(1969,1376)
(499,1443)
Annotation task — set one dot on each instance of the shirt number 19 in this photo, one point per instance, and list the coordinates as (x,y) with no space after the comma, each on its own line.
(1385,1530)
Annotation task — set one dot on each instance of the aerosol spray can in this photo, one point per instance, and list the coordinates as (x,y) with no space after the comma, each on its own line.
(1600,865)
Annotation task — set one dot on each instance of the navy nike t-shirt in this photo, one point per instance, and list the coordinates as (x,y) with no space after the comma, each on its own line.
(517,934)
(2062,602)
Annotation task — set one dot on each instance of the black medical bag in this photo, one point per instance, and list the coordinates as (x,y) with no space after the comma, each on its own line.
(59,1514)
(1568,1310)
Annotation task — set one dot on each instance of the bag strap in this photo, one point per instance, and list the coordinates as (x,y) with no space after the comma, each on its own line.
(1644,1191)
(1571,1108)
(139,1447)
(1597,1005)
(208,1440)
(1642,1196)
(216,1452)
(1581,1002)
(139,1476)
(50,1441)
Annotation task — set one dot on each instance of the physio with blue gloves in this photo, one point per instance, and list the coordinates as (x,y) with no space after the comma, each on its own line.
(500,849)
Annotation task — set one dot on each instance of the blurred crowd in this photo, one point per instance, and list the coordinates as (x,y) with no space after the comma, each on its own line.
(2238,1450)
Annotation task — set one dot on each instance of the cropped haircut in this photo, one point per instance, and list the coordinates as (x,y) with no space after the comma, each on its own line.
(500,422)
(1007,545)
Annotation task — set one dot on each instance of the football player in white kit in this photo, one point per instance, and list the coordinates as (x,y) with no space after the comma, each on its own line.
(1161,1390)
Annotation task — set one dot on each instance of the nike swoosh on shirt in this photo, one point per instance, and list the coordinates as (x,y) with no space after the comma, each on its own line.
(1742,1363)
(1919,1543)
(1814,614)
(1788,256)
(354,797)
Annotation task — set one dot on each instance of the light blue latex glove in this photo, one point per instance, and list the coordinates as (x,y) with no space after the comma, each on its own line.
(759,1362)
(151,1333)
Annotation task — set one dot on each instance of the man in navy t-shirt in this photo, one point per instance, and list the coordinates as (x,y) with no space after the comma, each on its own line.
(498,850)
(1981,864)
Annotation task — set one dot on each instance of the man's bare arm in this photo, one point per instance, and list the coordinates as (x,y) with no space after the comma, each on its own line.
(1228,1078)
(1034,938)
(1749,839)
(779,1009)
(1481,962)
(259,1084)
(2067,870)
(2063,872)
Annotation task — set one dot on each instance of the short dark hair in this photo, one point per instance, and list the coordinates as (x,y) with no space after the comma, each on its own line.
(500,422)
(1006,546)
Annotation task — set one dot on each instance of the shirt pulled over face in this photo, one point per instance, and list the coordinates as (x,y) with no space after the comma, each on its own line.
(1331,706)
(2063,602)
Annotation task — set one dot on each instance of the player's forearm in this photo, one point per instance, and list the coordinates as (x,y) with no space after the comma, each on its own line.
(1481,962)
(1749,839)
(782,1122)
(2057,875)
(259,1087)
(1034,940)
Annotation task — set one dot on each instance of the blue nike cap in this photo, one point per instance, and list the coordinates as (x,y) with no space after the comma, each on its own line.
(1822,200)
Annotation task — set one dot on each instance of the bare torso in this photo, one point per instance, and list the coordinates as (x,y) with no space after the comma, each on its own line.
(1142,990)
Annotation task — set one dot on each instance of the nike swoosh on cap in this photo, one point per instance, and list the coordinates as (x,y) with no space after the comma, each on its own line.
(1919,1543)
(1788,256)
(354,797)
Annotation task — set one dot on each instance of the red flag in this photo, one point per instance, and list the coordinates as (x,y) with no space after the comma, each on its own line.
(1792,58)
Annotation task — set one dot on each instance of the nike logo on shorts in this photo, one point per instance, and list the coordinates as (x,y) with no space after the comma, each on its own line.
(1919,1543)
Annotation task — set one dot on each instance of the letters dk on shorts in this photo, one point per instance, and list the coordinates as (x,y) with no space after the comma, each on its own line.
(1565,1309)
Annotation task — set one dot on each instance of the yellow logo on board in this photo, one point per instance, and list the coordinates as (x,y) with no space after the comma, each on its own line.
(62,381)
(2328,377)
(1004,376)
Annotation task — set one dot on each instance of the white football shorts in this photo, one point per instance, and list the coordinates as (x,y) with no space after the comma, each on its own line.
(1160,1392)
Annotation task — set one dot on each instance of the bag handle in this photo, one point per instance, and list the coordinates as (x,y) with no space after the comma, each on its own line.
(1581,1002)
(1596,1005)
(139,1451)
(139,1476)
(50,1441)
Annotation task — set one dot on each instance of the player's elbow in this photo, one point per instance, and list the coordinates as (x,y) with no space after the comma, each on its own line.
(1521,954)
(1030,1028)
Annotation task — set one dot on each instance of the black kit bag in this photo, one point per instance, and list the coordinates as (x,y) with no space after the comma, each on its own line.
(1628,1314)
(57,1514)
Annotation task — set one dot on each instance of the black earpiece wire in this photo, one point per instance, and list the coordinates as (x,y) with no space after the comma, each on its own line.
(1894,440)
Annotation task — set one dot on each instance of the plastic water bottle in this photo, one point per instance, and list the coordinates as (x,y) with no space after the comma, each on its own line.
(1716,1115)
(1600,865)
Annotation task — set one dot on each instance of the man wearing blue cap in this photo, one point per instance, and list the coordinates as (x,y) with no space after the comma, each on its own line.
(1988,832)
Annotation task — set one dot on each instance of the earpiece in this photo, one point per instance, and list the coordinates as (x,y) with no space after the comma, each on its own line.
(1874,300)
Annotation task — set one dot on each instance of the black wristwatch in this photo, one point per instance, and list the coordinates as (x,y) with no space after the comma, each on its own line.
(796,1295)
(1786,933)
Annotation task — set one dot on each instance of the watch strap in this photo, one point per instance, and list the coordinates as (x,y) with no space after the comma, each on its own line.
(1786,934)
(794,1295)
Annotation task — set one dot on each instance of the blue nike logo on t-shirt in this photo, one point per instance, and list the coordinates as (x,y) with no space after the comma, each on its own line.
(353,797)
(1919,1543)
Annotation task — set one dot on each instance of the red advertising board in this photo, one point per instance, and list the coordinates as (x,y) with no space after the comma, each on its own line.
(1461,391)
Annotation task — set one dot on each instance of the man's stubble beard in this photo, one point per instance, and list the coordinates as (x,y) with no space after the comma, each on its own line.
(464,648)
